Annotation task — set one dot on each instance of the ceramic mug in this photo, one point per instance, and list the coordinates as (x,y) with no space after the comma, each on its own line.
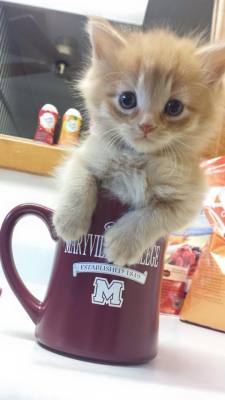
(93,309)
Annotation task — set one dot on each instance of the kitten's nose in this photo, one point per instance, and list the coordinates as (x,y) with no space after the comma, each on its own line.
(146,128)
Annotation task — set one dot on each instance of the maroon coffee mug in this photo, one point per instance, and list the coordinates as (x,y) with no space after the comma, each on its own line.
(93,309)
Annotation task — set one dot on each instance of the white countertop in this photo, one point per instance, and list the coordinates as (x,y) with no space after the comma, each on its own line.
(190,364)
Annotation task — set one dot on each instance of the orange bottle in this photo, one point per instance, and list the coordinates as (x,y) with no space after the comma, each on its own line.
(70,129)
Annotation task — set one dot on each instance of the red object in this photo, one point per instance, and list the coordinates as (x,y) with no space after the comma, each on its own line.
(47,120)
(184,257)
(215,171)
(172,296)
(92,309)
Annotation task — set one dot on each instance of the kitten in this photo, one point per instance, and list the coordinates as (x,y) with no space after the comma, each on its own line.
(154,100)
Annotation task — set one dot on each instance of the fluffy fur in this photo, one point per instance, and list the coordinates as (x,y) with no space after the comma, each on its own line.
(158,174)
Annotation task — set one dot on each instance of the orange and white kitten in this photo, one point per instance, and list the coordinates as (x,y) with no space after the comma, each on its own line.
(154,100)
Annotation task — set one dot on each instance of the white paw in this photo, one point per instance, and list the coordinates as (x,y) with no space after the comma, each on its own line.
(70,225)
(121,247)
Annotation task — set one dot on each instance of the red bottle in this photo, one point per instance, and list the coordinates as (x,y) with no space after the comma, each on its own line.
(47,120)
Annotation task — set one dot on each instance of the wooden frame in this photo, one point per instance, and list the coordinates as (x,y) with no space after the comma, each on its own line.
(218,21)
(29,156)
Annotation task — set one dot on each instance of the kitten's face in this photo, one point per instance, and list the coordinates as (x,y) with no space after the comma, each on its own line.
(150,103)
(149,91)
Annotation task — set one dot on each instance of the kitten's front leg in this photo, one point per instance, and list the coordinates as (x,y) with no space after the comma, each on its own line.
(77,201)
(137,230)
(123,241)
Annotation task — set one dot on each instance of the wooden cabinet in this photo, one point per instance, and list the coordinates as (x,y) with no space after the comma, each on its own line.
(218,21)
(217,148)
(29,156)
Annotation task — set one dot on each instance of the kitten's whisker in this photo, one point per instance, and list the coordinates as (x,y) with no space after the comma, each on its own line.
(170,153)
(111,74)
(113,138)
(179,155)
(182,155)
(180,142)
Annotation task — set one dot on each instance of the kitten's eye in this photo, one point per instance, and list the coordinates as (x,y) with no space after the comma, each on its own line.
(173,108)
(128,100)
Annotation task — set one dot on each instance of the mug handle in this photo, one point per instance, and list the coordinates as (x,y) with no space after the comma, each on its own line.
(32,305)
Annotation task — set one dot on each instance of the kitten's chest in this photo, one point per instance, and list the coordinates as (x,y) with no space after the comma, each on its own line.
(128,181)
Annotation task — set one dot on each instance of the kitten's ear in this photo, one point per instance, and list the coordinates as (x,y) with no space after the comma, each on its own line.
(105,39)
(213,61)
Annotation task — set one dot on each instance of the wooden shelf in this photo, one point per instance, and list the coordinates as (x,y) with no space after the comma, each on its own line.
(29,156)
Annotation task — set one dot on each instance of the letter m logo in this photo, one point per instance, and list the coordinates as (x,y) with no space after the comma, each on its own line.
(108,293)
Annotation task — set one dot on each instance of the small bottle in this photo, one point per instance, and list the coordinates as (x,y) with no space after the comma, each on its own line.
(70,129)
(47,120)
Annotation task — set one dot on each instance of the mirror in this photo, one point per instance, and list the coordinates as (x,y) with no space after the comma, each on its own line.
(43,50)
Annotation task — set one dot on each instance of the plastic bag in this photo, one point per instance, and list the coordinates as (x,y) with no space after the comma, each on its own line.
(205,301)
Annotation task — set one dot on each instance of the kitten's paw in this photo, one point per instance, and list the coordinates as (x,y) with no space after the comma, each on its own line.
(121,248)
(70,226)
